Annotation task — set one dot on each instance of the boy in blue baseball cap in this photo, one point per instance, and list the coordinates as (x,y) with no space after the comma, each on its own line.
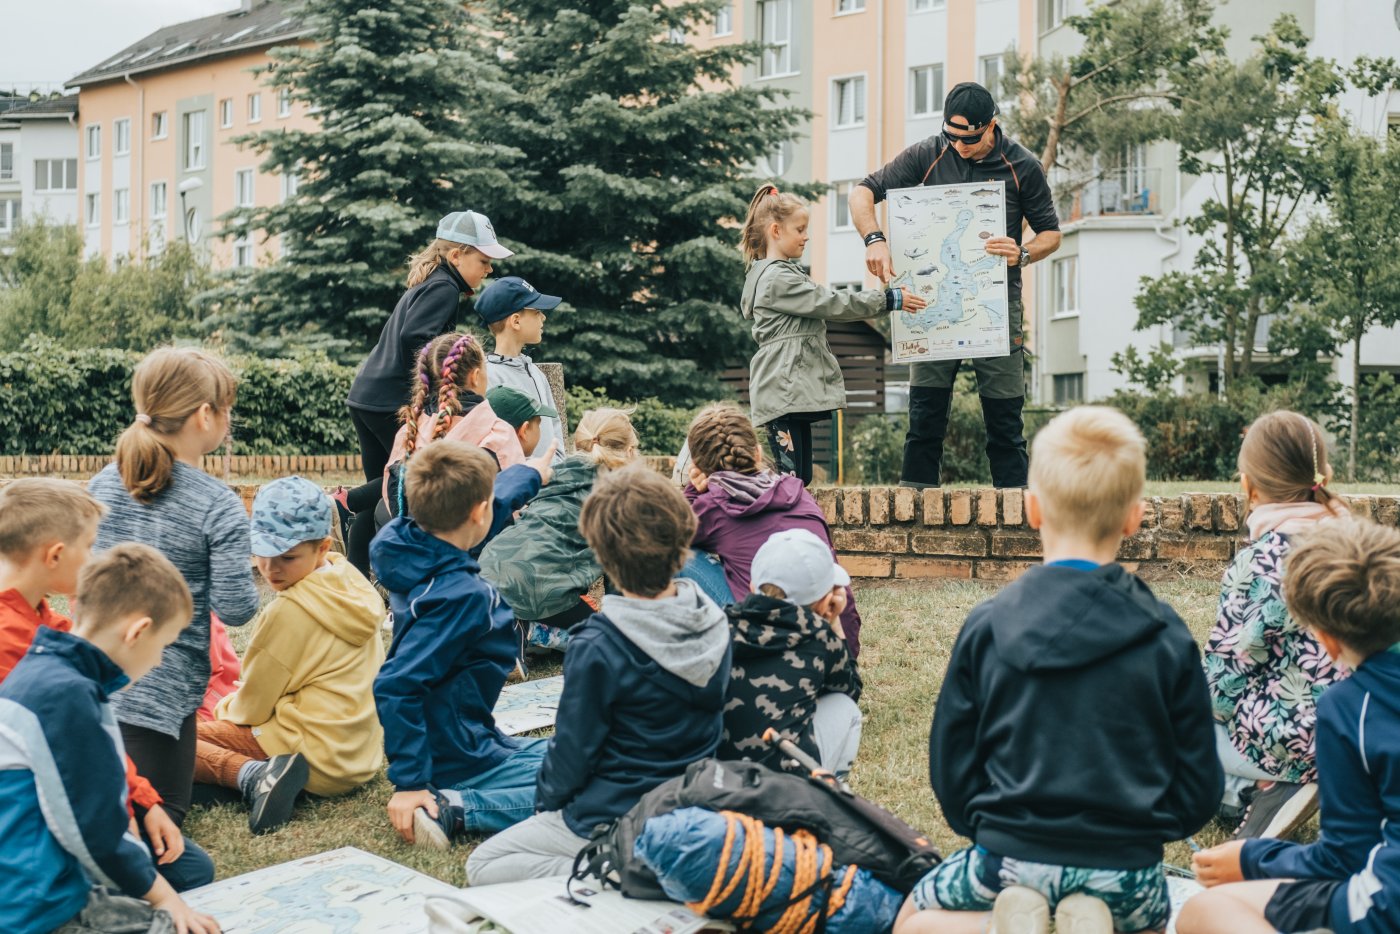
(514,312)
(304,717)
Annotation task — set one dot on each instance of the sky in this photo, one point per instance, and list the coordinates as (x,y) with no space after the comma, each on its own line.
(50,41)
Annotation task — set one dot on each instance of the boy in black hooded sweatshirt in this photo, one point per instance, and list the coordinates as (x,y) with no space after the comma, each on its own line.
(1073,735)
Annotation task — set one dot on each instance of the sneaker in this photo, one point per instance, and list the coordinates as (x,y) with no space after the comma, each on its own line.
(437,833)
(522,643)
(275,790)
(1020,910)
(1278,810)
(1082,914)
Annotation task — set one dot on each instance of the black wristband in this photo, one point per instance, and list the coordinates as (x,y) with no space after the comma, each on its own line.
(875,236)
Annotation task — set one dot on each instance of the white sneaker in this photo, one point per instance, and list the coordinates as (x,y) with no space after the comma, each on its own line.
(1082,914)
(1020,910)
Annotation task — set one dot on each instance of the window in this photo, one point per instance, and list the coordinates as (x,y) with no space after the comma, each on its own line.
(989,68)
(94,141)
(841,207)
(676,35)
(55,174)
(192,225)
(1069,388)
(243,188)
(284,102)
(775,20)
(7,160)
(194,140)
(121,137)
(724,20)
(159,125)
(780,159)
(1065,282)
(254,108)
(291,183)
(242,252)
(121,205)
(924,6)
(926,90)
(158,201)
(94,209)
(10,212)
(1052,13)
(226,113)
(849,101)
(849,6)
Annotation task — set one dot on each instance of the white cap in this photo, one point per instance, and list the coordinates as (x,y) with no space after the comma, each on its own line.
(472,229)
(800,564)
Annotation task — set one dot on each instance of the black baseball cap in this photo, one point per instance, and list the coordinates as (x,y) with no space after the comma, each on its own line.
(505,297)
(973,103)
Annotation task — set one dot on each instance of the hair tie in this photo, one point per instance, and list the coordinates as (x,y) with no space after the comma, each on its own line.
(772,189)
(143,418)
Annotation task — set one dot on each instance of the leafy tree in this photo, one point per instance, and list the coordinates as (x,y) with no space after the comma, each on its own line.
(639,154)
(50,289)
(1122,86)
(1251,124)
(1346,255)
(397,90)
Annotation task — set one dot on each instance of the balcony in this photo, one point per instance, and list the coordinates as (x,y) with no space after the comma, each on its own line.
(1112,193)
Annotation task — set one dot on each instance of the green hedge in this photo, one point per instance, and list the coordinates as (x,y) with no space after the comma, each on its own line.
(57,400)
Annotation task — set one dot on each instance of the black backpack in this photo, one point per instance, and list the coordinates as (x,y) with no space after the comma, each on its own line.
(858,831)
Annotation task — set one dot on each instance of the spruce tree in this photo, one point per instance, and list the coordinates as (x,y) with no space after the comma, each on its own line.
(638,166)
(394,87)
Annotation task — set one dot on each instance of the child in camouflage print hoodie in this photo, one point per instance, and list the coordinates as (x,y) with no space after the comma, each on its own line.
(1266,673)
(792,671)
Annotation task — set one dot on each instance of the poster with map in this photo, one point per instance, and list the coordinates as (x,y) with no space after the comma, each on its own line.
(530,705)
(938,237)
(344,891)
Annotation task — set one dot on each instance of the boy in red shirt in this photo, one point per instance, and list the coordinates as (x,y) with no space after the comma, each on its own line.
(47,528)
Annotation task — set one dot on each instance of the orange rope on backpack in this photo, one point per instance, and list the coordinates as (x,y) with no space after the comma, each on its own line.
(813,864)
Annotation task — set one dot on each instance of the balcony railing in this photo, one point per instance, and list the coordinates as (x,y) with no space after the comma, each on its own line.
(1113,192)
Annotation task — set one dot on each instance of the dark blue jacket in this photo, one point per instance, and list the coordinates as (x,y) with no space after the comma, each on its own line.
(1073,726)
(63,818)
(454,643)
(624,726)
(1358,778)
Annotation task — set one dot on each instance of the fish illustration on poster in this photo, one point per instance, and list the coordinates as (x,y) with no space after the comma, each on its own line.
(938,243)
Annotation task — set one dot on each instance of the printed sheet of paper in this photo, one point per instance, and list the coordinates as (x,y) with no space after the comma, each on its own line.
(938,240)
(344,891)
(1180,890)
(540,906)
(530,705)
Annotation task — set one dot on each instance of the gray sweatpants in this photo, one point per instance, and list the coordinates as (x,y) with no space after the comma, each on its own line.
(536,848)
(109,913)
(836,724)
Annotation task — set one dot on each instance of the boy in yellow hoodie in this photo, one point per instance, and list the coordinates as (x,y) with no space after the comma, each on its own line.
(304,717)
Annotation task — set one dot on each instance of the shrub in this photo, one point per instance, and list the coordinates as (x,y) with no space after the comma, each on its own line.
(1192,437)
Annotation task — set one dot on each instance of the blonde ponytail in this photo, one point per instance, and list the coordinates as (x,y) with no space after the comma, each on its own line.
(766,207)
(607,438)
(168,386)
(421,265)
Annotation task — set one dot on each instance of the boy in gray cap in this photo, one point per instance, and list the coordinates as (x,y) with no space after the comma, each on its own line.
(304,717)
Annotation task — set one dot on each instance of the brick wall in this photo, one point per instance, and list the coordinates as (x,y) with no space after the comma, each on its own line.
(982,534)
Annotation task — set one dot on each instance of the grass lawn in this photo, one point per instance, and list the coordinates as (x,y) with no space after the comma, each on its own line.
(909,628)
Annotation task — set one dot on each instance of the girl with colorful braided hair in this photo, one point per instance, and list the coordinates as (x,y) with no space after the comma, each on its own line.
(448,401)
(1264,671)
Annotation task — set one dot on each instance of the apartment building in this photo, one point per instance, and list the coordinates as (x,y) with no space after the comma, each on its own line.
(1125,223)
(157,122)
(39,162)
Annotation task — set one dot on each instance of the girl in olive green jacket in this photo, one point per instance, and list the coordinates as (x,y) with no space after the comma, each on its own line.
(793,378)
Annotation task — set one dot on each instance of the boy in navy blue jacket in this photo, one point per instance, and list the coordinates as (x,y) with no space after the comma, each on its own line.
(1072,736)
(72,859)
(1342,582)
(644,682)
(454,644)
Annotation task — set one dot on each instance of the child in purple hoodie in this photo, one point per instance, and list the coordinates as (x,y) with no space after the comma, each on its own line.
(739,503)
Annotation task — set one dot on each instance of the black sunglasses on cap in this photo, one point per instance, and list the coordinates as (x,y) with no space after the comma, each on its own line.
(973,138)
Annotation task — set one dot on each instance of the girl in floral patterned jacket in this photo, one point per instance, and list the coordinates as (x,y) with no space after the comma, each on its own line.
(1266,673)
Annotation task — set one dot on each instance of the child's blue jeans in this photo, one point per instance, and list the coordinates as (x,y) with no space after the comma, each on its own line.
(707,572)
(504,795)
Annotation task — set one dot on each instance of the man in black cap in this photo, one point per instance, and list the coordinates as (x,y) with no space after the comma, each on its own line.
(971,148)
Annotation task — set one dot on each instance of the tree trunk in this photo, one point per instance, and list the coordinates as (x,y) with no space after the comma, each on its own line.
(1355,406)
(1057,125)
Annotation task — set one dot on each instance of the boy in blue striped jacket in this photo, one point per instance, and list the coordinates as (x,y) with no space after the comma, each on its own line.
(73,860)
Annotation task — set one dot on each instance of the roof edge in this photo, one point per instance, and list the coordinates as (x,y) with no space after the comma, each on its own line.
(119,73)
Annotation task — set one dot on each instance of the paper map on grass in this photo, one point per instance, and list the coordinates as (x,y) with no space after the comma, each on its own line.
(938,237)
(529,705)
(344,891)
(540,906)
(1179,890)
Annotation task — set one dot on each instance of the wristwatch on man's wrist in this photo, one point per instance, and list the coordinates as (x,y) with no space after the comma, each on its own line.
(1025,259)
